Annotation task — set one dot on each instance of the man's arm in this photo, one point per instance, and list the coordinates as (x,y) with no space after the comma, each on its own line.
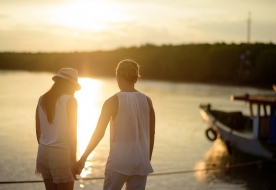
(152,126)
(99,132)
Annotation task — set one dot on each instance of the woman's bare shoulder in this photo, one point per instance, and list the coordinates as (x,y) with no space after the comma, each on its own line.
(72,102)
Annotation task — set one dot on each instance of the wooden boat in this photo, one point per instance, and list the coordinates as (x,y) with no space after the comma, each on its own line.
(253,134)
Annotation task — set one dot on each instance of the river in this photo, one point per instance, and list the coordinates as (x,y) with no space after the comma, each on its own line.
(180,142)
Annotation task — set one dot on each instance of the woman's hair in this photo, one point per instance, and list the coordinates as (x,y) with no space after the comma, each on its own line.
(128,69)
(49,99)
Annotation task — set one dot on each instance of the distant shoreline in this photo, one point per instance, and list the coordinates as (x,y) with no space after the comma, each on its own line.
(224,64)
(267,87)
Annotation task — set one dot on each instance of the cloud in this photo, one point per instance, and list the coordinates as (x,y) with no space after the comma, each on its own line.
(32,28)
(20,2)
(3,16)
(40,37)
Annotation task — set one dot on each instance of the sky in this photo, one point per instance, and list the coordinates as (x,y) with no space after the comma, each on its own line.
(89,25)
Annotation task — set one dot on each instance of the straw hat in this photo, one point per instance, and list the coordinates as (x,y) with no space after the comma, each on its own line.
(69,74)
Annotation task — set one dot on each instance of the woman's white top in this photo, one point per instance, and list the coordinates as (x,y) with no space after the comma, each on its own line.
(54,134)
(130,136)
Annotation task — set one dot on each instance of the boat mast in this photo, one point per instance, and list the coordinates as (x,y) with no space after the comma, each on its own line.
(248,27)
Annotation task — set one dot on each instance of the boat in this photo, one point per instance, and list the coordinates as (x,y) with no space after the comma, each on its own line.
(253,134)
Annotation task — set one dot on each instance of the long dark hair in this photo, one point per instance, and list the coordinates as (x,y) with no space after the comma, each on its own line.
(49,99)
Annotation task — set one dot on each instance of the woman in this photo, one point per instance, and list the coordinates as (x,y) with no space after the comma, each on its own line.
(56,125)
(132,128)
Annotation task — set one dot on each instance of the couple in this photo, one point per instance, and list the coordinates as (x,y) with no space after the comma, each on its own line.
(132,127)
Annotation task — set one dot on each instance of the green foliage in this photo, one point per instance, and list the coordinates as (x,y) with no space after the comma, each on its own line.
(218,63)
(266,66)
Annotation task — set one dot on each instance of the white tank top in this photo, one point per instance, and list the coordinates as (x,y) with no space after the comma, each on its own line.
(130,136)
(56,133)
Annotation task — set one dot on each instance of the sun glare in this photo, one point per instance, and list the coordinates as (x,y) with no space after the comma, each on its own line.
(90,15)
(88,113)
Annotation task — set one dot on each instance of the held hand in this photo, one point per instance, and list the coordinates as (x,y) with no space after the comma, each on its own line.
(73,170)
(79,166)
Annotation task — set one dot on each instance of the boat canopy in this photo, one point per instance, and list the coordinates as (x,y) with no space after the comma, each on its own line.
(257,99)
(268,120)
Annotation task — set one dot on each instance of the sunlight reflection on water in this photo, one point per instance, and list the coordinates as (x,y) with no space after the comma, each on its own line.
(213,159)
(87,99)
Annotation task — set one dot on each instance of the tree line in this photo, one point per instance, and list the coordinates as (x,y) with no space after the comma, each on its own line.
(239,64)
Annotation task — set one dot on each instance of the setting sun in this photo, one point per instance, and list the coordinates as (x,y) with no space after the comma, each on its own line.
(89,15)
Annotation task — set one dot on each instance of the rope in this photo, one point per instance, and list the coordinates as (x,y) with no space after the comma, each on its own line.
(155,174)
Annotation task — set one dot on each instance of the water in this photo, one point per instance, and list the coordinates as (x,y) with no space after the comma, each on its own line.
(180,143)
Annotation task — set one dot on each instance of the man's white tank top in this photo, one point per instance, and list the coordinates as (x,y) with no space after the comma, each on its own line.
(54,134)
(130,136)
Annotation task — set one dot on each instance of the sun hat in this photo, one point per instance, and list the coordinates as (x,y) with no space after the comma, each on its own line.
(69,74)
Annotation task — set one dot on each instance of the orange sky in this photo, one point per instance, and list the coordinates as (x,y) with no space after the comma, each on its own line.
(85,25)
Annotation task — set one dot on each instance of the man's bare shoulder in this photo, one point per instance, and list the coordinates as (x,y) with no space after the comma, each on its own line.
(149,101)
(112,101)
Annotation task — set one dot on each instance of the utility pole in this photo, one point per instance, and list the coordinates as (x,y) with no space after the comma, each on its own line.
(248,27)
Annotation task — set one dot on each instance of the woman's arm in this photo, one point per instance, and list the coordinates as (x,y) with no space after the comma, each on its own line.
(71,109)
(37,125)
(152,126)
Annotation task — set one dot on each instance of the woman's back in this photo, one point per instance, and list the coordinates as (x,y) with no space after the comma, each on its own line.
(54,134)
